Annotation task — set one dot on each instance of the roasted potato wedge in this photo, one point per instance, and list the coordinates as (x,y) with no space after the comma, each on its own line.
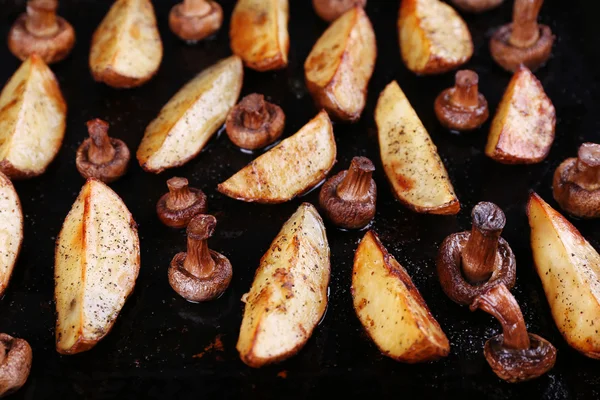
(340,65)
(32,120)
(11,230)
(433,37)
(289,294)
(410,159)
(97,261)
(289,169)
(522,131)
(191,117)
(259,33)
(569,268)
(391,308)
(126,48)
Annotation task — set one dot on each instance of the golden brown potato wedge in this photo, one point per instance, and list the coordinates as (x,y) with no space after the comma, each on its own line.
(391,308)
(32,120)
(289,294)
(410,159)
(259,33)
(569,268)
(433,37)
(340,65)
(11,230)
(126,48)
(289,169)
(191,117)
(522,131)
(97,261)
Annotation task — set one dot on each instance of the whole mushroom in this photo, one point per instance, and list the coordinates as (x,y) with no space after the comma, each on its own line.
(101,156)
(348,199)
(41,31)
(254,123)
(194,20)
(15,363)
(576,184)
(200,274)
(182,203)
(524,41)
(477,268)
(330,10)
(462,107)
(476,6)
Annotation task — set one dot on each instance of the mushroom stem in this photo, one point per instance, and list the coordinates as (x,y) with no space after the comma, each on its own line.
(588,167)
(180,196)
(196,8)
(525,29)
(466,93)
(101,150)
(499,302)
(41,18)
(199,262)
(254,111)
(355,185)
(480,254)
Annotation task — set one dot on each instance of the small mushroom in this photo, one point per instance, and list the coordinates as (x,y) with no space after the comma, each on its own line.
(348,198)
(515,355)
(469,263)
(41,31)
(577,182)
(254,123)
(101,156)
(462,107)
(177,207)
(194,20)
(330,10)
(524,41)
(200,274)
(476,6)
(15,363)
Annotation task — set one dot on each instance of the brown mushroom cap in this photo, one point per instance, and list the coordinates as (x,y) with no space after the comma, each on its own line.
(330,10)
(15,363)
(462,107)
(518,365)
(349,198)
(576,184)
(101,156)
(195,20)
(177,207)
(254,123)
(510,57)
(200,274)
(42,32)
(476,6)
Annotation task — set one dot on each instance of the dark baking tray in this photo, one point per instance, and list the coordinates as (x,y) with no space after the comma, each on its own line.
(160,346)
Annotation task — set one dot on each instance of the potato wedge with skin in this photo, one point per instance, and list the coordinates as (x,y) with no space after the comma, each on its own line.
(289,169)
(391,308)
(191,117)
(97,261)
(11,230)
(569,268)
(288,297)
(126,47)
(433,37)
(259,33)
(340,65)
(32,120)
(522,131)
(410,159)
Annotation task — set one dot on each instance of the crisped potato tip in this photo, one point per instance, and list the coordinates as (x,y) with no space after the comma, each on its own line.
(390,307)
(32,120)
(288,297)
(410,159)
(289,169)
